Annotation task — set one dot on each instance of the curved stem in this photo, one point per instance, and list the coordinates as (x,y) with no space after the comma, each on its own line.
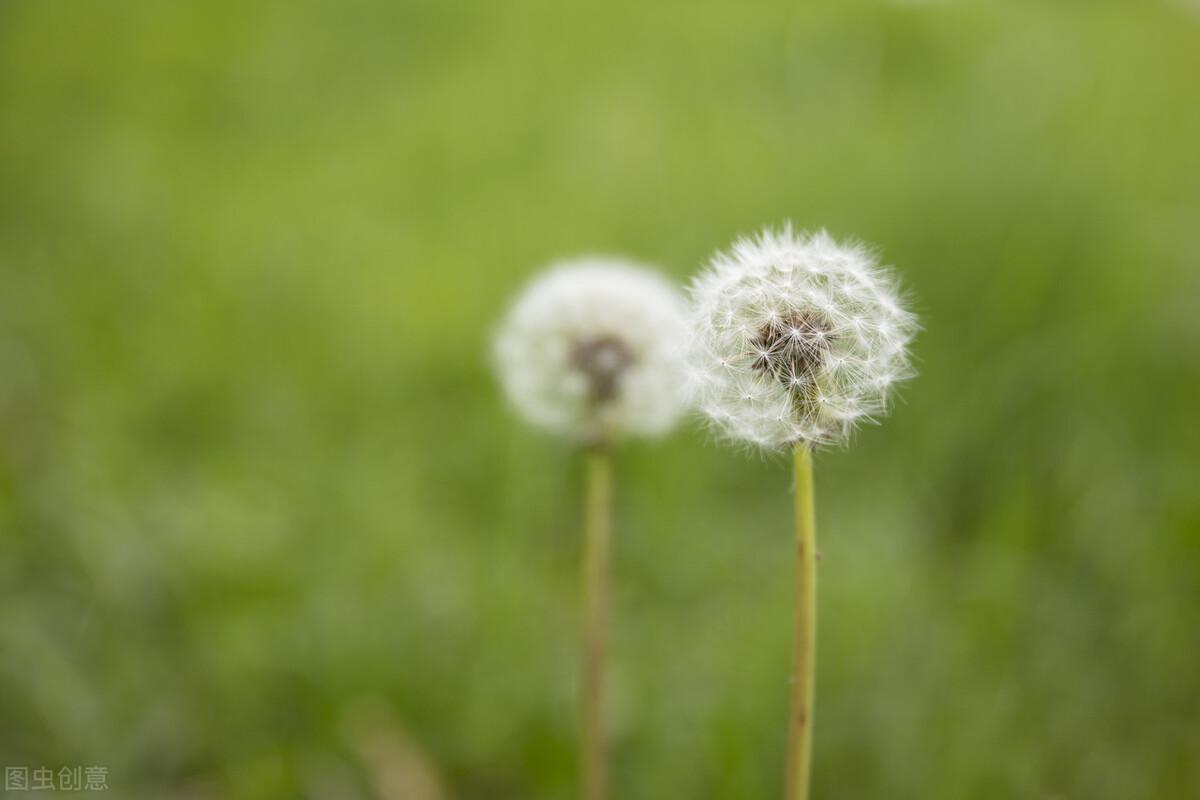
(595,602)
(800,716)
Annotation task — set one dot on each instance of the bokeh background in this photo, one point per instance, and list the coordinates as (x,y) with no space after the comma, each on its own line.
(268,531)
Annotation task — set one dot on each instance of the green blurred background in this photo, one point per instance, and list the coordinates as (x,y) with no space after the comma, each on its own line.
(268,531)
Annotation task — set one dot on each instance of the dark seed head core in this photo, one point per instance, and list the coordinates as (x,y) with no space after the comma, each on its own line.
(602,359)
(791,349)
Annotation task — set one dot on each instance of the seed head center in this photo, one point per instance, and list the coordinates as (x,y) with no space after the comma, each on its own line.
(603,360)
(792,348)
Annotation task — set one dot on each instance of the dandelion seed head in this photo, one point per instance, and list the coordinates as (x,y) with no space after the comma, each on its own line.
(595,349)
(797,338)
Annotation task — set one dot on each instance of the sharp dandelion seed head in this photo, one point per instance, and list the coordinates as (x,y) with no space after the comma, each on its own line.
(811,335)
(595,349)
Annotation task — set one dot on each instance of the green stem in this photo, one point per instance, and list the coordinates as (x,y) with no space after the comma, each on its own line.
(595,603)
(800,717)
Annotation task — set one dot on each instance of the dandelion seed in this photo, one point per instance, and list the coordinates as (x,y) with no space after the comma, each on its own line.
(595,350)
(810,336)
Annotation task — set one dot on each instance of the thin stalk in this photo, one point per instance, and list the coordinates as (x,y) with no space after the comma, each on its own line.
(800,717)
(595,603)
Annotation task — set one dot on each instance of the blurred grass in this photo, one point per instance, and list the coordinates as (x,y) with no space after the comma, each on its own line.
(268,531)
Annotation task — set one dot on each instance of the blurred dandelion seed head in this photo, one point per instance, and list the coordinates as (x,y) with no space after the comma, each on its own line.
(797,339)
(595,349)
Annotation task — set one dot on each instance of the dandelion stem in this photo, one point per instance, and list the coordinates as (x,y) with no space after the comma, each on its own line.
(800,717)
(595,603)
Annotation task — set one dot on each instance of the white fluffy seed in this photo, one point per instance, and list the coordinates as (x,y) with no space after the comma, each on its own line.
(595,349)
(797,339)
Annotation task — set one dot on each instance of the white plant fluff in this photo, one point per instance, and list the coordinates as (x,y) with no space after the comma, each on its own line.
(797,339)
(596,349)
